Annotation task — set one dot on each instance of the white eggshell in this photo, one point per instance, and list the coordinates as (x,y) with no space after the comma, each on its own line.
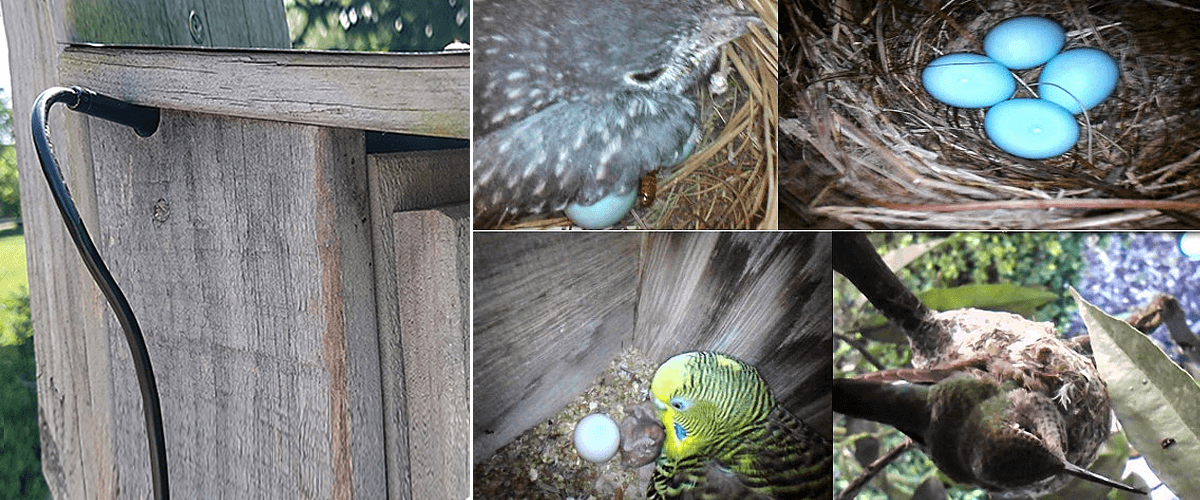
(967,80)
(1024,42)
(1079,76)
(1189,245)
(1031,128)
(607,211)
(597,437)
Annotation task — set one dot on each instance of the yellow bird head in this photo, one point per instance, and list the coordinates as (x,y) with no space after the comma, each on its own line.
(704,399)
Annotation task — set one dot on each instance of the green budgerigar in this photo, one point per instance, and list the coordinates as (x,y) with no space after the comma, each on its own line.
(726,438)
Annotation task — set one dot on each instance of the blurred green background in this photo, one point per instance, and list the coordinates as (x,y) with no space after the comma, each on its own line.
(379,25)
(20,447)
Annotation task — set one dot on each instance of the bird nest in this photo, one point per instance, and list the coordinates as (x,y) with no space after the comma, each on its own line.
(731,180)
(865,146)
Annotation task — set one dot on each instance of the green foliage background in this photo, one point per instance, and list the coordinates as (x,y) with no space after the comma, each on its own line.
(378,25)
(20,446)
(1050,261)
(10,196)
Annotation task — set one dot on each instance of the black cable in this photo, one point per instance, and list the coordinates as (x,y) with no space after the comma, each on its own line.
(144,121)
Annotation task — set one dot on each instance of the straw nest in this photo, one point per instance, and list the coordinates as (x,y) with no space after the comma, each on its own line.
(731,180)
(865,146)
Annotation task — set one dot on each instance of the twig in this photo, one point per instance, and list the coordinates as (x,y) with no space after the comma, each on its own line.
(861,347)
(872,470)
(1097,204)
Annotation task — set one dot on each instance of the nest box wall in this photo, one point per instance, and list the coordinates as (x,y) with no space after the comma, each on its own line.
(249,240)
(552,310)
(763,297)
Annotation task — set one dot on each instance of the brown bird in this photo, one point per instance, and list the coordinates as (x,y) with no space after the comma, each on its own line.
(986,385)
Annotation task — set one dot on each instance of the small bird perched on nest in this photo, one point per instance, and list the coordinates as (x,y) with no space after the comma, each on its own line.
(995,400)
(574,100)
(726,438)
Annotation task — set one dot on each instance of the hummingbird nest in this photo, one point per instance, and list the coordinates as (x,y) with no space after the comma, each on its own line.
(1031,355)
(865,146)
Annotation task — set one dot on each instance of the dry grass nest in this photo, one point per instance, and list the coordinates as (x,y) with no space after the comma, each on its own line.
(731,180)
(865,146)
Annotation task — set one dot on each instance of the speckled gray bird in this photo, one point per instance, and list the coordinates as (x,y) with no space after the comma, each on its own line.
(575,99)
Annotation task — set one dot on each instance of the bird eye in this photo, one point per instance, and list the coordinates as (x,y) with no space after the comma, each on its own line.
(645,77)
(680,404)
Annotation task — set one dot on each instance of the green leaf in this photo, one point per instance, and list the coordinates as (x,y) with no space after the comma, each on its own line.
(1155,400)
(1006,297)
(994,297)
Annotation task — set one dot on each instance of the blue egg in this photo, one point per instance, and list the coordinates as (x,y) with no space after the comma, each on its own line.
(967,80)
(1024,42)
(1079,76)
(1031,128)
(607,211)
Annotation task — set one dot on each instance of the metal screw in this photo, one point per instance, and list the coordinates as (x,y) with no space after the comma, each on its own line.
(196,26)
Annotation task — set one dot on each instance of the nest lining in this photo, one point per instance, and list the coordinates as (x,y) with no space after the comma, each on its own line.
(542,462)
(731,181)
(873,149)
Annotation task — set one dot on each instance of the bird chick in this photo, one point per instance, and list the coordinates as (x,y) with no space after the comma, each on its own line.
(641,435)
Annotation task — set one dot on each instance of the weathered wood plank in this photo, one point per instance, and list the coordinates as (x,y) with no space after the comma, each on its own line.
(406,93)
(244,248)
(432,248)
(550,312)
(74,390)
(223,23)
(401,182)
(763,297)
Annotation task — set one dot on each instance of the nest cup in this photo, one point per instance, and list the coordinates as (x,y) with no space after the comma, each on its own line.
(730,181)
(868,147)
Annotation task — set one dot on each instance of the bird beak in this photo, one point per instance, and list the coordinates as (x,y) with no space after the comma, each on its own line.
(1088,475)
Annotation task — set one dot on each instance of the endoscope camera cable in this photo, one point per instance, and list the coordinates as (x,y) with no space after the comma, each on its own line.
(144,121)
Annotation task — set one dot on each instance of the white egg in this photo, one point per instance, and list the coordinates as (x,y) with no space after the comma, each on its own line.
(607,211)
(1189,245)
(597,437)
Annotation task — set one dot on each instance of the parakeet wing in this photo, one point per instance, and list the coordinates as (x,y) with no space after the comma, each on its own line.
(786,460)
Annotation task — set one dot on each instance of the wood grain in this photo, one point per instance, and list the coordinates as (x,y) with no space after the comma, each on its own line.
(74,391)
(550,312)
(432,289)
(223,23)
(424,94)
(765,297)
(401,182)
(244,248)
